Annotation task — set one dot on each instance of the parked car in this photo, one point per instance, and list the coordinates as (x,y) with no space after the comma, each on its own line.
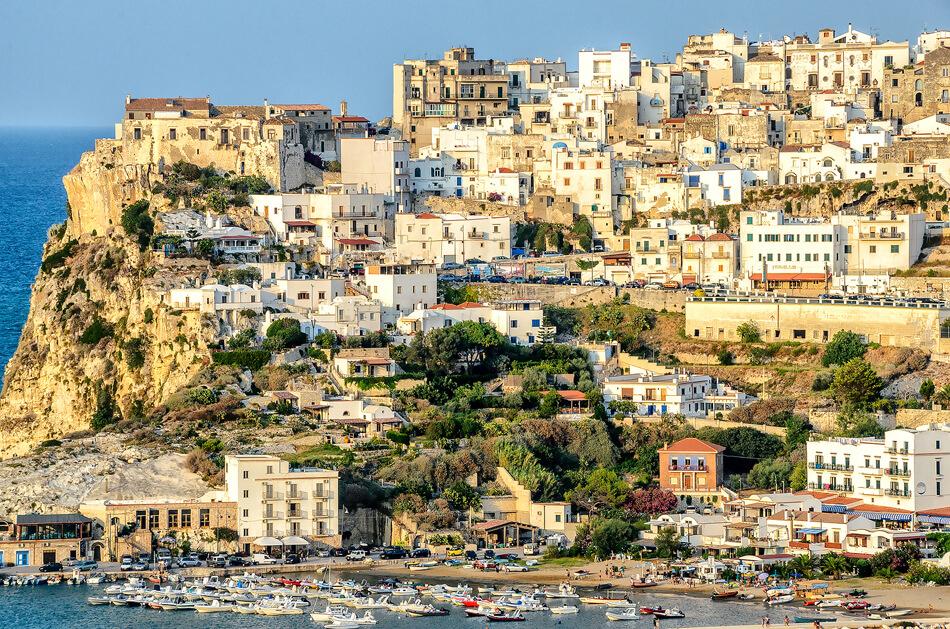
(515,568)
(394,552)
(482,564)
(508,556)
(263,559)
(53,566)
(218,561)
(292,558)
(671,285)
(551,254)
(235,560)
(690,286)
(191,561)
(420,553)
(86,566)
(455,551)
(471,555)
(597,249)
(451,266)
(489,554)
(654,286)
(517,280)
(339,552)
(324,552)
(126,563)
(496,279)
(356,555)
(139,565)
(531,549)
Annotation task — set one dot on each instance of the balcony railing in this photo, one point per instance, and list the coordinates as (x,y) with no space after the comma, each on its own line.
(273,515)
(296,495)
(836,467)
(722,255)
(273,495)
(883,235)
(900,493)
(296,514)
(896,471)
(896,450)
(687,468)
(691,255)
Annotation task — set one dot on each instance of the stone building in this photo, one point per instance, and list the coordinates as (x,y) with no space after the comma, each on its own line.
(746,128)
(238,139)
(915,92)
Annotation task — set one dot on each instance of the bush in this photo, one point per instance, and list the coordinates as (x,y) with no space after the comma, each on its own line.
(284,333)
(242,339)
(95,332)
(252,359)
(134,350)
(725,357)
(844,346)
(58,257)
(749,332)
(822,381)
(105,412)
(148,316)
(137,224)
(202,396)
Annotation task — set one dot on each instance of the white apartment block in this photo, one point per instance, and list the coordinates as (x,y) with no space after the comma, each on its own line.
(800,163)
(530,81)
(718,184)
(302,295)
(401,288)
(585,175)
(379,165)
(277,502)
(440,238)
(518,320)
(904,470)
(690,395)
(611,69)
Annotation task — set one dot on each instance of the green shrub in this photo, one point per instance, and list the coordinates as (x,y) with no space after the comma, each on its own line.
(242,339)
(725,357)
(843,346)
(137,224)
(252,359)
(134,350)
(148,316)
(284,333)
(58,257)
(95,332)
(749,332)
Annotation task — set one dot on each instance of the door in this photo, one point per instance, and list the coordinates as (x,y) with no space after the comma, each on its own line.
(22,557)
(49,556)
(687,482)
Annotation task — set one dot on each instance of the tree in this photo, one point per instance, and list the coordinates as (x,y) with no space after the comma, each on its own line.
(803,565)
(942,395)
(588,265)
(462,496)
(464,347)
(798,479)
(927,388)
(667,543)
(856,383)
(843,347)
(584,232)
(592,445)
(797,430)
(857,423)
(834,565)
(600,490)
(611,536)
(549,406)
(749,332)
(105,412)
(770,473)
(725,357)
(137,224)
(284,333)
(651,501)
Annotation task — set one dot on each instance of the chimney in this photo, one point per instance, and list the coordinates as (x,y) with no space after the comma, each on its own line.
(624,45)
(128,99)
(342,107)
(266,104)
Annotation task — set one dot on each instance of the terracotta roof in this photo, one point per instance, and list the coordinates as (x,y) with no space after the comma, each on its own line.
(461,306)
(573,396)
(349,119)
(300,223)
(503,169)
(356,241)
(694,238)
(426,215)
(283,395)
(719,237)
(791,277)
(943,512)
(776,556)
(766,57)
(166,104)
(865,507)
(692,444)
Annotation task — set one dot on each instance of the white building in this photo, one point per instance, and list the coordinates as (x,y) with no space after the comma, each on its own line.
(690,395)
(379,165)
(401,288)
(804,163)
(441,238)
(530,81)
(607,68)
(585,175)
(903,470)
(518,320)
(276,502)
(718,184)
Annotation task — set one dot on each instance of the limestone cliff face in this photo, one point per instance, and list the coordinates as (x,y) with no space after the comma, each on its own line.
(98,332)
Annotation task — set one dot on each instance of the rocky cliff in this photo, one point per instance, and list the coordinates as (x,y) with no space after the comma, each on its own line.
(98,342)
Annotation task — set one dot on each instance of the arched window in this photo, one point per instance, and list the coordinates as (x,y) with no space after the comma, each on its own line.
(791,178)
(830,177)
(828,162)
(918,100)
(418,172)
(918,85)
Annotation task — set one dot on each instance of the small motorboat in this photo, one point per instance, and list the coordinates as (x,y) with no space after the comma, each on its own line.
(213,607)
(564,609)
(747,596)
(99,600)
(621,603)
(644,583)
(597,600)
(426,611)
(340,623)
(723,596)
(514,616)
(625,614)
(813,619)
(781,599)
(651,610)
(565,590)
(857,593)
(672,612)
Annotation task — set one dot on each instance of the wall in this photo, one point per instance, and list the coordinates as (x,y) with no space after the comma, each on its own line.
(698,422)
(577,296)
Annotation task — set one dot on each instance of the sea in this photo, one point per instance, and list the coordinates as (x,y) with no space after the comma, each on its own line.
(64,606)
(32,198)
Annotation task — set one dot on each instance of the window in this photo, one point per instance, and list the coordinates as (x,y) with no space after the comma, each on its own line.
(303,295)
(173,134)
(895,248)
(245,474)
(202,134)
(137,133)
(173,518)
(204,518)
(186,518)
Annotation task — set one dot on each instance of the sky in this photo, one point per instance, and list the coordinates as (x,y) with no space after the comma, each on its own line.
(71,63)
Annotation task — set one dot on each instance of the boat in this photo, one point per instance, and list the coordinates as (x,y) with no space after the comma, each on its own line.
(857,593)
(644,583)
(564,609)
(672,612)
(279,610)
(813,619)
(651,610)
(597,600)
(341,624)
(214,607)
(370,603)
(626,614)
(365,619)
(781,599)
(722,596)
(564,590)
(621,603)
(420,567)
(514,616)
(747,596)
(99,600)
(852,606)
(482,610)
(331,613)
(428,610)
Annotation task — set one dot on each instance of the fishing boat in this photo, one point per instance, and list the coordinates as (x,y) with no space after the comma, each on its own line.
(855,605)
(672,612)
(644,583)
(279,610)
(723,596)
(425,565)
(513,616)
(564,609)
(370,603)
(651,610)
(428,610)
(623,614)
(621,603)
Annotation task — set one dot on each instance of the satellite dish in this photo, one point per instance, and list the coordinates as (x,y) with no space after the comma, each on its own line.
(921,488)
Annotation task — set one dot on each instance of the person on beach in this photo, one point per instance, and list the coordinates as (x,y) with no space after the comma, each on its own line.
(786,620)
(656,623)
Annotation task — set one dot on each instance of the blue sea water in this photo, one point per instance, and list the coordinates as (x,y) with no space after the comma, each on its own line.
(42,607)
(32,164)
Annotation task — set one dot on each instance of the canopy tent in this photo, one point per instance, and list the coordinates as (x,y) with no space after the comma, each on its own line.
(267,541)
(293,540)
(810,531)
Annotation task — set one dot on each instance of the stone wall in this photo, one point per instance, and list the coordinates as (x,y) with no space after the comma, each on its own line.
(578,296)
(914,417)
(366,525)
(697,422)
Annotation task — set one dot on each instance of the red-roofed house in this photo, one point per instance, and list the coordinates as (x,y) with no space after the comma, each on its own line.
(692,468)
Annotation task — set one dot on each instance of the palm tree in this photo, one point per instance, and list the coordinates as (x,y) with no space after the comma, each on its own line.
(834,565)
(803,565)
(942,396)
(588,265)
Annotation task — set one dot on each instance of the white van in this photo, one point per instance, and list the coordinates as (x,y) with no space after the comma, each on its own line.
(263,559)
(530,550)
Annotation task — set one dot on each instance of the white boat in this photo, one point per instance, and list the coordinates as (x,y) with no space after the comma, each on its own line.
(370,603)
(332,612)
(565,590)
(405,591)
(282,610)
(623,614)
(366,619)
(214,607)
(564,609)
(621,603)
(342,624)
(781,599)
(99,600)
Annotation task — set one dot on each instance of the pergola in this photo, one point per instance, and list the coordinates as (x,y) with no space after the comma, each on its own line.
(505,533)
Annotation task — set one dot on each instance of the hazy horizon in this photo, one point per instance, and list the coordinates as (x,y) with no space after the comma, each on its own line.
(74,63)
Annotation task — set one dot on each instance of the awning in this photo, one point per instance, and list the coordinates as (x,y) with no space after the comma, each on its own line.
(810,531)
(293,540)
(877,515)
(934,519)
(267,541)
(826,508)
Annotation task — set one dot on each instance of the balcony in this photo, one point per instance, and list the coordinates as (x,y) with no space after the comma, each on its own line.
(691,255)
(687,468)
(352,214)
(273,515)
(896,451)
(722,255)
(835,467)
(272,495)
(896,471)
(476,235)
(871,471)
(297,495)
(871,491)
(296,515)
(883,236)
(898,493)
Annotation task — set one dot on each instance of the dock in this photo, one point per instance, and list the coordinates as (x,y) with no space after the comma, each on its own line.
(853,623)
